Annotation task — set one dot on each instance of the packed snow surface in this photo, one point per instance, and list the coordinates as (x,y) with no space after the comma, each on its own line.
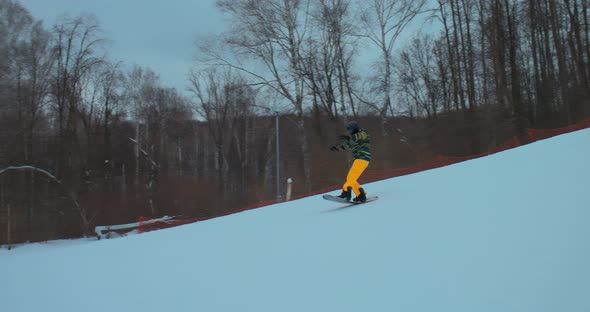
(507,232)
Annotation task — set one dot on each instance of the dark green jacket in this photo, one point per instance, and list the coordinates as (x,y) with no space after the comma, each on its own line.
(359,144)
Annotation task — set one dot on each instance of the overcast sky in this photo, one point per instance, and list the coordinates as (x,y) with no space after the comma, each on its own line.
(160,35)
(155,34)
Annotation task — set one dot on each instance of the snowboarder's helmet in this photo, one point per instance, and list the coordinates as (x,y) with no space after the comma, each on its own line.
(352,126)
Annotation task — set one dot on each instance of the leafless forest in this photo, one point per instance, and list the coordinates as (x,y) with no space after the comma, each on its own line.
(88,140)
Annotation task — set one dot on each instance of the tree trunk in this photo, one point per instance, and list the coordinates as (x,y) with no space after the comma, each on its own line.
(471,92)
(483,57)
(517,104)
(561,62)
(451,56)
(587,35)
(458,28)
(443,79)
(576,43)
(498,46)
(535,54)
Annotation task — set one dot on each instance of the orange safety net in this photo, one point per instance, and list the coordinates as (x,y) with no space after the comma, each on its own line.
(540,134)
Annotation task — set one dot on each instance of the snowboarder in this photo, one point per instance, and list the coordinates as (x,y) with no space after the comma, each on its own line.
(359,142)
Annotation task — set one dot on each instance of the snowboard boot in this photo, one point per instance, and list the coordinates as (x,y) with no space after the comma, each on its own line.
(362,196)
(346,194)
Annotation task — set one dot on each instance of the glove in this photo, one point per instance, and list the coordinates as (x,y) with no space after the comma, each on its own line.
(344,137)
(334,148)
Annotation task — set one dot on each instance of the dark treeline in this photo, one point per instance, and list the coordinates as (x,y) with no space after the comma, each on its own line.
(528,59)
(88,140)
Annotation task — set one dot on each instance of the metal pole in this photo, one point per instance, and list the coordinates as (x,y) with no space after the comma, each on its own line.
(289,189)
(277,153)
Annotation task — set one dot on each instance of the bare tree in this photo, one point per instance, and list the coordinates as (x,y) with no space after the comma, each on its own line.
(76,46)
(165,110)
(418,83)
(15,23)
(103,105)
(138,85)
(25,66)
(318,67)
(110,82)
(468,8)
(327,56)
(384,21)
(450,53)
(35,63)
(213,91)
(271,33)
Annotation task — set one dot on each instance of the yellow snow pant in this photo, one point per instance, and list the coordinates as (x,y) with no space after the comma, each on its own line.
(358,167)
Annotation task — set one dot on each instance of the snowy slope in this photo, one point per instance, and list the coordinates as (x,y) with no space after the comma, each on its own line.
(508,232)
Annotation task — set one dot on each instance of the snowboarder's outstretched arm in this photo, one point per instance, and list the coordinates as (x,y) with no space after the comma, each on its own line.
(346,144)
(359,143)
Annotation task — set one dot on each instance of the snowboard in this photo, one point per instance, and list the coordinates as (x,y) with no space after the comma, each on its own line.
(344,201)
